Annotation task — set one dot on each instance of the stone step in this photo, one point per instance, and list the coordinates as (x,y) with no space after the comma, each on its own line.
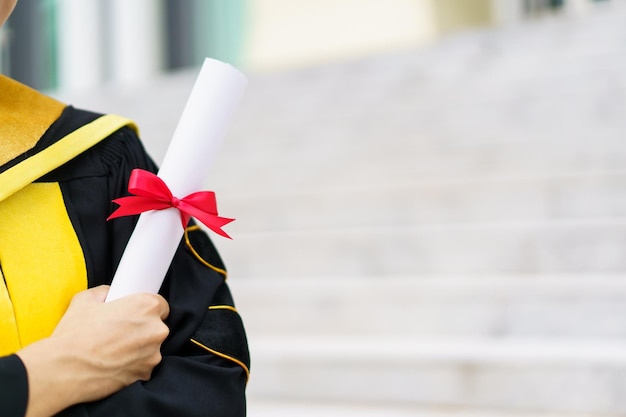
(374,166)
(472,113)
(435,306)
(486,76)
(586,195)
(405,127)
(479,98)
(526,375)
(555,246)
(266,408)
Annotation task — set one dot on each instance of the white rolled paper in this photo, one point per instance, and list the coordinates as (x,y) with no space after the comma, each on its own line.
(200,131)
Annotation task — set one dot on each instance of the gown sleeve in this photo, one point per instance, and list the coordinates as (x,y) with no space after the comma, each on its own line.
(14,383)
(205,363)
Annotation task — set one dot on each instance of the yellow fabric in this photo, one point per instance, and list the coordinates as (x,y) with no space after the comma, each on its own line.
(9,337)
(42,262)
(55,155)
(19,103)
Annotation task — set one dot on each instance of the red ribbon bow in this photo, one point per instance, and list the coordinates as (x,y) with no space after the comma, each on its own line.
(151,193)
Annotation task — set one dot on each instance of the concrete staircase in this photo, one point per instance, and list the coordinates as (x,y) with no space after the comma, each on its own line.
(433,232)
(536,343)
(441,227)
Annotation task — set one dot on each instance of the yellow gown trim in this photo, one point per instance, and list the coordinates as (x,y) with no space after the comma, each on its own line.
(225,356)
(223,307)
(9,336)
(19,103)
(197,255)
(72,145)
(42,262)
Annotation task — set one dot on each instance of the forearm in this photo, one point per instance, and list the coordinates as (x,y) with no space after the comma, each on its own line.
(52,386)
(95,350)
(192,380)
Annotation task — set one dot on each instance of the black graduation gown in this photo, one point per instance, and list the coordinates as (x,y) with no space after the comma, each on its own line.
(205,362)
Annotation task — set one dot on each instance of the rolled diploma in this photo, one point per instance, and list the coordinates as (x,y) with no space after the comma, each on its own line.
(201,129)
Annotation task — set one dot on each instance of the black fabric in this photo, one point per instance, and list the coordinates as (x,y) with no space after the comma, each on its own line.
(222,331)
(187,382)
(13,387)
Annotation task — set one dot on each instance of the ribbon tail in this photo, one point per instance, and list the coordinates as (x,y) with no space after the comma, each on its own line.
(212,221)
(216,223)
(131,205)
(184,218)
(206,215)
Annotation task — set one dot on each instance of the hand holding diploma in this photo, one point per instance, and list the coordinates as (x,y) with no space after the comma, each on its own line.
(95,350)
(173,196)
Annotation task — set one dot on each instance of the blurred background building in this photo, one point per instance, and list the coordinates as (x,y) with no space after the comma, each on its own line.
(78,44)
(430,194)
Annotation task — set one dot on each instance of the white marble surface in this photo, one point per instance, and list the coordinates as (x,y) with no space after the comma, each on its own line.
(516,374)
(552,307)
(317,409)
(533,247)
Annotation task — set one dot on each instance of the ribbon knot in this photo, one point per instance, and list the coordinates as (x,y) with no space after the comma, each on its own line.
(149,192)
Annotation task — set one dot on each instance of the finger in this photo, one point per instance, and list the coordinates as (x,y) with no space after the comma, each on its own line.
(92,295)
(100,292)
(164,308)
(154,302)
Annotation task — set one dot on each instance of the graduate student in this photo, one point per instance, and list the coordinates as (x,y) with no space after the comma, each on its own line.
(63,350)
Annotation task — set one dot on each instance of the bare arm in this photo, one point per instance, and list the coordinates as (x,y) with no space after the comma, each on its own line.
(96,349)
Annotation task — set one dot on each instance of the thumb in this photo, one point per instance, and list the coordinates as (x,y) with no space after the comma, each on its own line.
(93,295)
